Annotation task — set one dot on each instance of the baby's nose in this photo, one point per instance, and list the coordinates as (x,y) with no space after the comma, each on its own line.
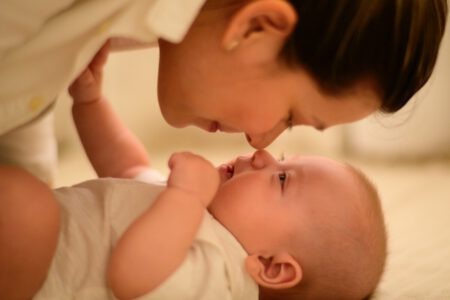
(261,159)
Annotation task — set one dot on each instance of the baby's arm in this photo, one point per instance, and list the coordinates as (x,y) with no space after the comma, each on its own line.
(112,149)
(156,243)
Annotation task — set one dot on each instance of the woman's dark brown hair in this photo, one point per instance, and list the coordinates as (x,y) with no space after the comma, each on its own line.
(395,43)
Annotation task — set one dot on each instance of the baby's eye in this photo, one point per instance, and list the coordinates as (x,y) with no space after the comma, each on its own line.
(282,177)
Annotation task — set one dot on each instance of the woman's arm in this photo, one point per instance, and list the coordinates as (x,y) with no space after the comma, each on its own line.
(155,245)
(113,150)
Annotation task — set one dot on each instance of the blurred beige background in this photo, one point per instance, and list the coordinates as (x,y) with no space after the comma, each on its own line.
(406,155)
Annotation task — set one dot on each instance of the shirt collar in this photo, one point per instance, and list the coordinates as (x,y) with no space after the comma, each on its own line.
(171,19)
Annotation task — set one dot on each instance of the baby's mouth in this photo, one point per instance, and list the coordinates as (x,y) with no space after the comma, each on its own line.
(226,171)
(230,171)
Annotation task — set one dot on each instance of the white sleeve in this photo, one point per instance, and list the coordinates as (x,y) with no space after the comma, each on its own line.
(151,176)
(33,147)
(20,19)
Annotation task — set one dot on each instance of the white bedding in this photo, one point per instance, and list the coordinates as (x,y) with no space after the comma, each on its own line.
(416,200)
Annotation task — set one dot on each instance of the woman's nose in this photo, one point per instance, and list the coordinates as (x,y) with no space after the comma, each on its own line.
(260,141)
(261,159)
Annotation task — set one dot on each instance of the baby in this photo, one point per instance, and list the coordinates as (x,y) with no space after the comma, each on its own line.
(254,228)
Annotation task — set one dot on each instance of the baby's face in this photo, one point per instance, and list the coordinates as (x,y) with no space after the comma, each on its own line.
(265,202)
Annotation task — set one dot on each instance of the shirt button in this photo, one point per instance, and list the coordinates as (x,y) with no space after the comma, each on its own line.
(104,27)
(35,103)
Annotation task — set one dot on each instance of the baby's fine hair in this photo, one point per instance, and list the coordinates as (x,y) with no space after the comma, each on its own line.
(393,43)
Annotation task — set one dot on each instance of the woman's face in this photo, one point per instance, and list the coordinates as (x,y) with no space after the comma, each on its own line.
(202,84)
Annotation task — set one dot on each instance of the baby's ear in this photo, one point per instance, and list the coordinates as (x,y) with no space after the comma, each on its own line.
(279,271)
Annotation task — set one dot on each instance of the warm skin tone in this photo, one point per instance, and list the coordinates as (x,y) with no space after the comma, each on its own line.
(29,225)
(229,76)
(276,209)
(22,271)
(195,189)
(226,75)
(241,185)
(263,202)
(257,184)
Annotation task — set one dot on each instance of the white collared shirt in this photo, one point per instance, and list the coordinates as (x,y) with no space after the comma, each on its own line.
(45,45)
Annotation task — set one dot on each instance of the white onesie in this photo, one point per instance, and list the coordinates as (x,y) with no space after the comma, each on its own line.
(95,213)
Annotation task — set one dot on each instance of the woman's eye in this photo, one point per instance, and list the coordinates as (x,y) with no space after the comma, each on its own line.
(282,177)
(289,122)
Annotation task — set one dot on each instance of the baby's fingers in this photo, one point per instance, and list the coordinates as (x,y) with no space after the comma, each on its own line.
(192,172)
(98,62)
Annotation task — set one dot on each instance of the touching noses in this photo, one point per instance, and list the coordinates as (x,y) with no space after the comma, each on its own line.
(261,141)
(261,159)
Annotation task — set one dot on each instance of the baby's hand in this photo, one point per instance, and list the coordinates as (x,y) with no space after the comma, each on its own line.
(88,86)
(195,175)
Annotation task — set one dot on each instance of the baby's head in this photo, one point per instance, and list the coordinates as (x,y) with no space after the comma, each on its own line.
(312,227)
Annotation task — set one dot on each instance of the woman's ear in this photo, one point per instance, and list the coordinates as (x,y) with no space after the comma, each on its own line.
(280,271)
(258,30)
